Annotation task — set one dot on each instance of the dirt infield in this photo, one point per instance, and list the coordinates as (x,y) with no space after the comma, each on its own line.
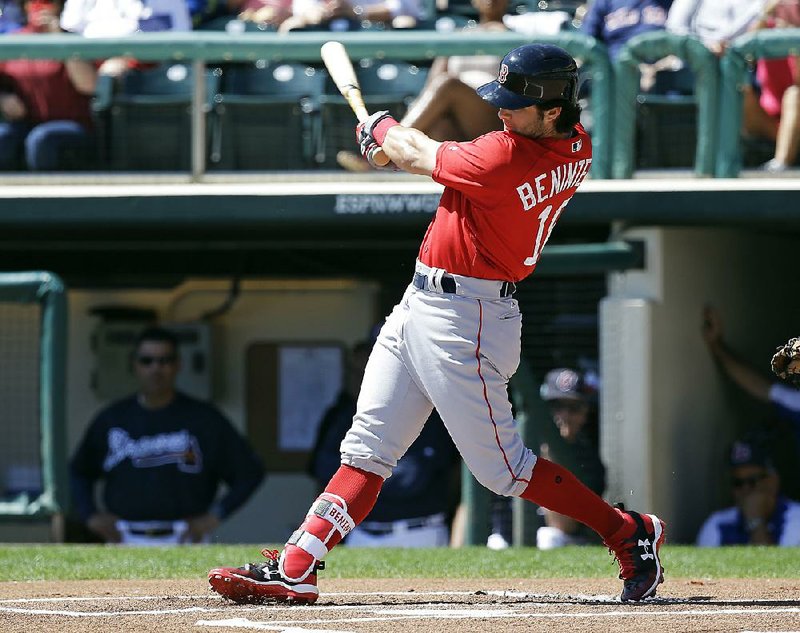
(418,606)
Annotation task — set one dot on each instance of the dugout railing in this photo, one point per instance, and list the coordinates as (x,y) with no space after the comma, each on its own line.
(46,494)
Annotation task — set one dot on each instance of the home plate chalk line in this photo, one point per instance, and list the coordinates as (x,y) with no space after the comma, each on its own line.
(392,613)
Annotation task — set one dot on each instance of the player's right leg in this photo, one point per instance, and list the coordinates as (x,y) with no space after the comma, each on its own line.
(467,382)
(634,539)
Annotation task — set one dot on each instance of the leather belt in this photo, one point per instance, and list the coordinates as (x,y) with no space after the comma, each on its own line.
(448,285)
(382,529)
(153,532)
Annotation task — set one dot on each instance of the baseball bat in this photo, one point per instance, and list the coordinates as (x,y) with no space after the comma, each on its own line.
(337,61)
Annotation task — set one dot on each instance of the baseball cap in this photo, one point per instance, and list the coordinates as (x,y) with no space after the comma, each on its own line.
(748,452)
(564,384)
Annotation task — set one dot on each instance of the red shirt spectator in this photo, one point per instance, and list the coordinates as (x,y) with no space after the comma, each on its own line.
(46,89)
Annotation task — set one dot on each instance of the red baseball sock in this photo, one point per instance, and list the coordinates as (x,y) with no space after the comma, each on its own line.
(359,491)
(555,488)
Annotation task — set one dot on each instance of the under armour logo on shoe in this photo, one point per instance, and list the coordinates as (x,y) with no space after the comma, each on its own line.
(645,544)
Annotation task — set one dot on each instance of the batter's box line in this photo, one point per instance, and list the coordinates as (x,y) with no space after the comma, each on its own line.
(291,626)
(99,598)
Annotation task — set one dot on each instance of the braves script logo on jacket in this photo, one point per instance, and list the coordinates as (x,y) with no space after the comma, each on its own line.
(180,448)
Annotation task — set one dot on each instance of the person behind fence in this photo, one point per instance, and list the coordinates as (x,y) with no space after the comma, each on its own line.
(771,102)
(162,457)
(121,18)
(45,105)
(415,503)
(11,16)
(715,22)
(614,22)
(343,15)
(571,440)
(782,396)
(761,515)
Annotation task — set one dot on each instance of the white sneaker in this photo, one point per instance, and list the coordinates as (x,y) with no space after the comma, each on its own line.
(496,542)
(774,166)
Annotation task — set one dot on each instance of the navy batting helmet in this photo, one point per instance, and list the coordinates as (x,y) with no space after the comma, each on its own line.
(533,74)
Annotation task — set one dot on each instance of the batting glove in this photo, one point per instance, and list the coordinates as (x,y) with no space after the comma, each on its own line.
(373,129)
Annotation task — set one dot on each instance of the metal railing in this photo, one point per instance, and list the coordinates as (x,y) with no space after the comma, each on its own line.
(614,88)
(200,48)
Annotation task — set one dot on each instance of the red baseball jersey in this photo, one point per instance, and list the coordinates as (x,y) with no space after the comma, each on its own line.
(503,194)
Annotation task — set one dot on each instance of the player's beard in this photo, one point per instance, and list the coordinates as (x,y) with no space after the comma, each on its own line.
(534,128)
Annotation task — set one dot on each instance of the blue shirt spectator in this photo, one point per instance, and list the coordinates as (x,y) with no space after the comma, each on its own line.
(728,527)
(11,16)
(163,458)
(614,22)
(760,514)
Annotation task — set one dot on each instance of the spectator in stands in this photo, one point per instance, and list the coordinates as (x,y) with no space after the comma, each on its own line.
(448,107)
(162,456)
(715,22)
(760,514)
(118,18)
(772,103)
(265,13)
(344,15)
(416,500)
(614,22)
(12,18)
(45,104)
(572,441)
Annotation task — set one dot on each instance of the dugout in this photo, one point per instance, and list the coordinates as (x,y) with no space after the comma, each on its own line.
(313,261)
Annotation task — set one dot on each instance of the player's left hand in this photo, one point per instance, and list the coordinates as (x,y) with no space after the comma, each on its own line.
(199,526)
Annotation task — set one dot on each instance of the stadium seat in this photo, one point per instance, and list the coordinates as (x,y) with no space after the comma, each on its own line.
(267,117)
(667,121)
(386,85)
(233,25)
(145,117)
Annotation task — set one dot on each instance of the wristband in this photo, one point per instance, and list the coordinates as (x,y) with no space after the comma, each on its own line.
(381,128)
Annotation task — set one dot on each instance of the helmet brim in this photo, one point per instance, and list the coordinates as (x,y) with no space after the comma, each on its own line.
(502,97)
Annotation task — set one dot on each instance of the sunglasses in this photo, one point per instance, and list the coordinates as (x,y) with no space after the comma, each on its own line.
(749,482)
(146,361)
(571,406)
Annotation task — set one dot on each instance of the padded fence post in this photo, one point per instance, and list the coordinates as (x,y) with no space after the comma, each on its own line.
(650,47)
(49,291)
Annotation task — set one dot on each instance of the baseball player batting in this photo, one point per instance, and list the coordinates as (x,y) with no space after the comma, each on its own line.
(453,341)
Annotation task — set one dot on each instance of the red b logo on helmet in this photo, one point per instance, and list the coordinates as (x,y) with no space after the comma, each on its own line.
(503,73)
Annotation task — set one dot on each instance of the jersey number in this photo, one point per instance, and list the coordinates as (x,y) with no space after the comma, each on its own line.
(545,220)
